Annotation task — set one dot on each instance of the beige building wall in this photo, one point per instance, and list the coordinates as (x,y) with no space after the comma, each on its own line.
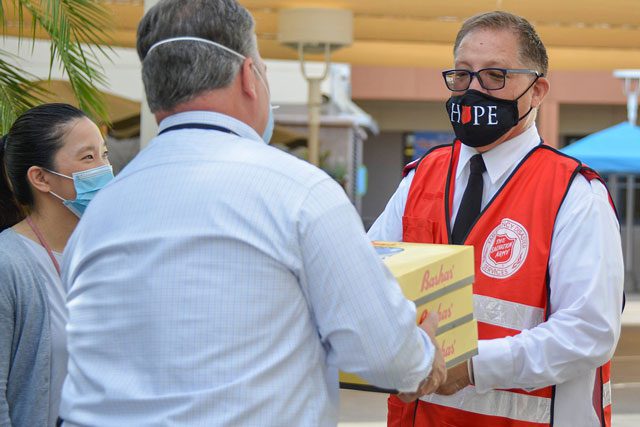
(578,120)
(404,116)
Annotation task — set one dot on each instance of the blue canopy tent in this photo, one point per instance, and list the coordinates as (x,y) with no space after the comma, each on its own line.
(612,150)
(615,151)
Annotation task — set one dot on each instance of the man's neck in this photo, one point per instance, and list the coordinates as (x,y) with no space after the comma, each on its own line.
(514,132)
(218,101)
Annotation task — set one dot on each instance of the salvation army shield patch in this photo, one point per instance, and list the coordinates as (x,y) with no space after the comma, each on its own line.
(505,249)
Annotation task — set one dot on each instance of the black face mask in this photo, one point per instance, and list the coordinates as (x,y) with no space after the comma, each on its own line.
(479,119)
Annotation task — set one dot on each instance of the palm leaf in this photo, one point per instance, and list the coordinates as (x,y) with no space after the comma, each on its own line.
(78,39)
(18,92)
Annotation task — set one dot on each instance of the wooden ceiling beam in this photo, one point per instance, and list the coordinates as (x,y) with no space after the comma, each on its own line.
(421,32)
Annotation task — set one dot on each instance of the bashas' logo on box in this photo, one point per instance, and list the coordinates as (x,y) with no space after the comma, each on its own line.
(448,348)
(444,314)
(505,250)
(429,281)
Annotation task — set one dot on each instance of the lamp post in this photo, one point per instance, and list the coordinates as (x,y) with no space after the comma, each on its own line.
(631,89)
(313,31)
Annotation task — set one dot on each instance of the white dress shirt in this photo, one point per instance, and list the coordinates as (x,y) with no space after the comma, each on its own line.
(586,281)
(218,281)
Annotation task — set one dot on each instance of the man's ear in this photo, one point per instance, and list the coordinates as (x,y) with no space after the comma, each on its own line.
(38,179)
(540,90)
(248,79)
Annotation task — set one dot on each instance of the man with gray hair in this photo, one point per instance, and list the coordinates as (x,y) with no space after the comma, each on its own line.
(218,280)
(548,274)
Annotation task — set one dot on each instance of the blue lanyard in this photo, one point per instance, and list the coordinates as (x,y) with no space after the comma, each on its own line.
(198,126)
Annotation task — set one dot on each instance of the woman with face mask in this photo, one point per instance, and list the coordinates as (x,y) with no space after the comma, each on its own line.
(52,162)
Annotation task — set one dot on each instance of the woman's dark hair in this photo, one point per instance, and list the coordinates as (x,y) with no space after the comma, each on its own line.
(33,140)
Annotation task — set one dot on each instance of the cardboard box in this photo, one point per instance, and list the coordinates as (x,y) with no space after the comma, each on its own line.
(437,278)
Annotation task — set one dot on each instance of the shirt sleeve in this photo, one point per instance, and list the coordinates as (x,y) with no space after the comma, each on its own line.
(7,327)
(365,324)
(388,226)
(586,281)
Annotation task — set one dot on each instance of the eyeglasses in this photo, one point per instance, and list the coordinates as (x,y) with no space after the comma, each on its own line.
(489,78)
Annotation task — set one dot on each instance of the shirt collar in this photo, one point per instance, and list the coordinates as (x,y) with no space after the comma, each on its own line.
(212,118)
(503,157)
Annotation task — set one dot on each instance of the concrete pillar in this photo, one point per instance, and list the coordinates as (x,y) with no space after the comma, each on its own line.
(549,122)
(148,125)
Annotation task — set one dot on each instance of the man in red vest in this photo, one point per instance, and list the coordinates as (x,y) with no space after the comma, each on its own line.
(549,274)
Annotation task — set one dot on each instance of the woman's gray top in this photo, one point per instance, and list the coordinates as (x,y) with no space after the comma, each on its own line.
(25,337)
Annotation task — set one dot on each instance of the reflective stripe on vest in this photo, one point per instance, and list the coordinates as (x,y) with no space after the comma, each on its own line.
(506,314)
(606,394)
(505,404)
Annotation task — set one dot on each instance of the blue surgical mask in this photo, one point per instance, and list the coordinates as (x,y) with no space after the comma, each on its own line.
(87,183)
(268,131)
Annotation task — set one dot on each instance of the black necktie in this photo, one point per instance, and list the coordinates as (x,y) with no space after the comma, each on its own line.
(471,201)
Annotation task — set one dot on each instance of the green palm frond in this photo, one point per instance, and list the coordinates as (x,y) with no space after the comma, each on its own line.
(77,30)
(17,91)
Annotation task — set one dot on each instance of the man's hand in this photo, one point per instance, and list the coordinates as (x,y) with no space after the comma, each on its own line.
(457,379)
(438,374)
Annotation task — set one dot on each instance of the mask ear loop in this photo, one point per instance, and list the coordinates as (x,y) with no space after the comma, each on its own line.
(527,90)
(54,194)
(264,83)
(59,174)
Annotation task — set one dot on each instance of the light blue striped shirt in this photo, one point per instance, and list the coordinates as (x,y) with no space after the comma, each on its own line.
(220,281)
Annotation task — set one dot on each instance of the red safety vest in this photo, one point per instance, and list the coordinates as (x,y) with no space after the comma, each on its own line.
(512,244)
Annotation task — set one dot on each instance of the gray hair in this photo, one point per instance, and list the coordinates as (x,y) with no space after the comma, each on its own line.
(532,50)
(174,73)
